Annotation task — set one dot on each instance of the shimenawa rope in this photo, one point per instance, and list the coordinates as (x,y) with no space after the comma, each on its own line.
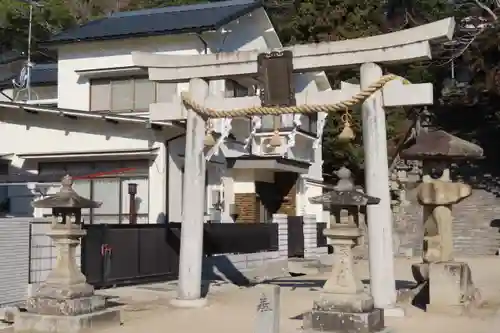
(206,113)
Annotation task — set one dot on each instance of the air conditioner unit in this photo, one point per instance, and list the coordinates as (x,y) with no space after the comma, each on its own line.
(266,148)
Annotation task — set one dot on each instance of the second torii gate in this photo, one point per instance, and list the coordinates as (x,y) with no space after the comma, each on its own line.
(375,91)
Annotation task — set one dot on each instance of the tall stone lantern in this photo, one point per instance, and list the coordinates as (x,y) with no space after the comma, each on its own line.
(343,306)
(65,302)
(449,283)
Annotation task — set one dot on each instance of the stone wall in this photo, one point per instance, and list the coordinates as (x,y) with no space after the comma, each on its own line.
(311,249)
(476,225)
(242,268)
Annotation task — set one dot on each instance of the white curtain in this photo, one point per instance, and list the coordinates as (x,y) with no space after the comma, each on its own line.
(82,187)
(106,191)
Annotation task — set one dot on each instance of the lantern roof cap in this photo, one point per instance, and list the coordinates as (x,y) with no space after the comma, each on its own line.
(344,193)
(66,198)
(439,144)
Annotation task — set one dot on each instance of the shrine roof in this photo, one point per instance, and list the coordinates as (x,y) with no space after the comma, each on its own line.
(159,21)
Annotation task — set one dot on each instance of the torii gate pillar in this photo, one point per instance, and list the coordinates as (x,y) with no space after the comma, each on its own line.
(191,253)
(381,252)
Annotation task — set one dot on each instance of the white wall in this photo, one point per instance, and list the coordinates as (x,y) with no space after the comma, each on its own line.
(252,31)
(243,180)
(74,90)
(26,133)
(312,190)
(175,188)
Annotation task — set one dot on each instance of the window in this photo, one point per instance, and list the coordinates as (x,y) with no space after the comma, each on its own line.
(234,89)
(269,123)
(128,94)
(310,123)
(110,189)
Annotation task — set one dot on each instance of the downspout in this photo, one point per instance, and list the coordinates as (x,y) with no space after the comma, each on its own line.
(167,142)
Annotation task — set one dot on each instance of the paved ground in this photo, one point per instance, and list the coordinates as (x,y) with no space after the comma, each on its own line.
(232,309)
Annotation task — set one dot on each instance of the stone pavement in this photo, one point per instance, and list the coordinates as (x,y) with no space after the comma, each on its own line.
(232,309)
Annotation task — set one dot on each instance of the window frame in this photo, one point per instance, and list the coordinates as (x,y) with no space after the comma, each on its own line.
(121,178)
(132,80)
(312,125)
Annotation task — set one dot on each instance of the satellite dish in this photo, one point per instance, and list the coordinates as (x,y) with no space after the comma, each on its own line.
(22,79)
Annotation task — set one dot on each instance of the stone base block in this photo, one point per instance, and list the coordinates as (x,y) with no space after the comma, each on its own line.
(395,312)
(344,322)
(65,307)
(451,310)
(451,285)
(361,302)
(6,328)
(36,323)
(63,291)
(189,303)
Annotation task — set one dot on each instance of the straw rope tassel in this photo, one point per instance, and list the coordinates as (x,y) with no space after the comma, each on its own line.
(209,140)
(347,133)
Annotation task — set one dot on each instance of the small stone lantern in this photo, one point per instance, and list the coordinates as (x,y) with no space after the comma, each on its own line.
(343,305)
(65,302)
(451,285)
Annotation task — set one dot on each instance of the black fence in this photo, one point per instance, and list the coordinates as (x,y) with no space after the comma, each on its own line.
(295,236)
(124,254)
(236,238)
(140,253)
(320,238)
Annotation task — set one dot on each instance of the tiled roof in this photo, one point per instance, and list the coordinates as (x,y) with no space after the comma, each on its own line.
(159,21)
(44,74)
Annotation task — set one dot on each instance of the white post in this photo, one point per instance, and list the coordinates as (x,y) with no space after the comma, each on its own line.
(191,251)
(381,256)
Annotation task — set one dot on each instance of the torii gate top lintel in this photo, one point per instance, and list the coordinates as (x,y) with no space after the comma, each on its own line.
(401,46)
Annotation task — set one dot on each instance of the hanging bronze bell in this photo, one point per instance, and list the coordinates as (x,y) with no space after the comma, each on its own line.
(275,140)
(209,140)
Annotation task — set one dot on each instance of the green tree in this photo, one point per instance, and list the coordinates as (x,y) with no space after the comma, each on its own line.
(334,20)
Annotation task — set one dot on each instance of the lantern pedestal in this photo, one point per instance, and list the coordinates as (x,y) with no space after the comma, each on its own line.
(343,305)
(65,302)
(444,285)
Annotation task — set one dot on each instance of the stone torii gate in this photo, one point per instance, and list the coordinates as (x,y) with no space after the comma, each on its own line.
(375,92)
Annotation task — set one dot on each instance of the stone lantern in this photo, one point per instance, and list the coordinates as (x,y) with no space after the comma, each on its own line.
(449,283)
(65,302)
(343,305)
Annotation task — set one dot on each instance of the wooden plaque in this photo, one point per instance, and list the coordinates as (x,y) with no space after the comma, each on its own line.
(276,76)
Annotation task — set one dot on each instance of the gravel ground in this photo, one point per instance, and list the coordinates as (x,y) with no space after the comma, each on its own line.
(232,309)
